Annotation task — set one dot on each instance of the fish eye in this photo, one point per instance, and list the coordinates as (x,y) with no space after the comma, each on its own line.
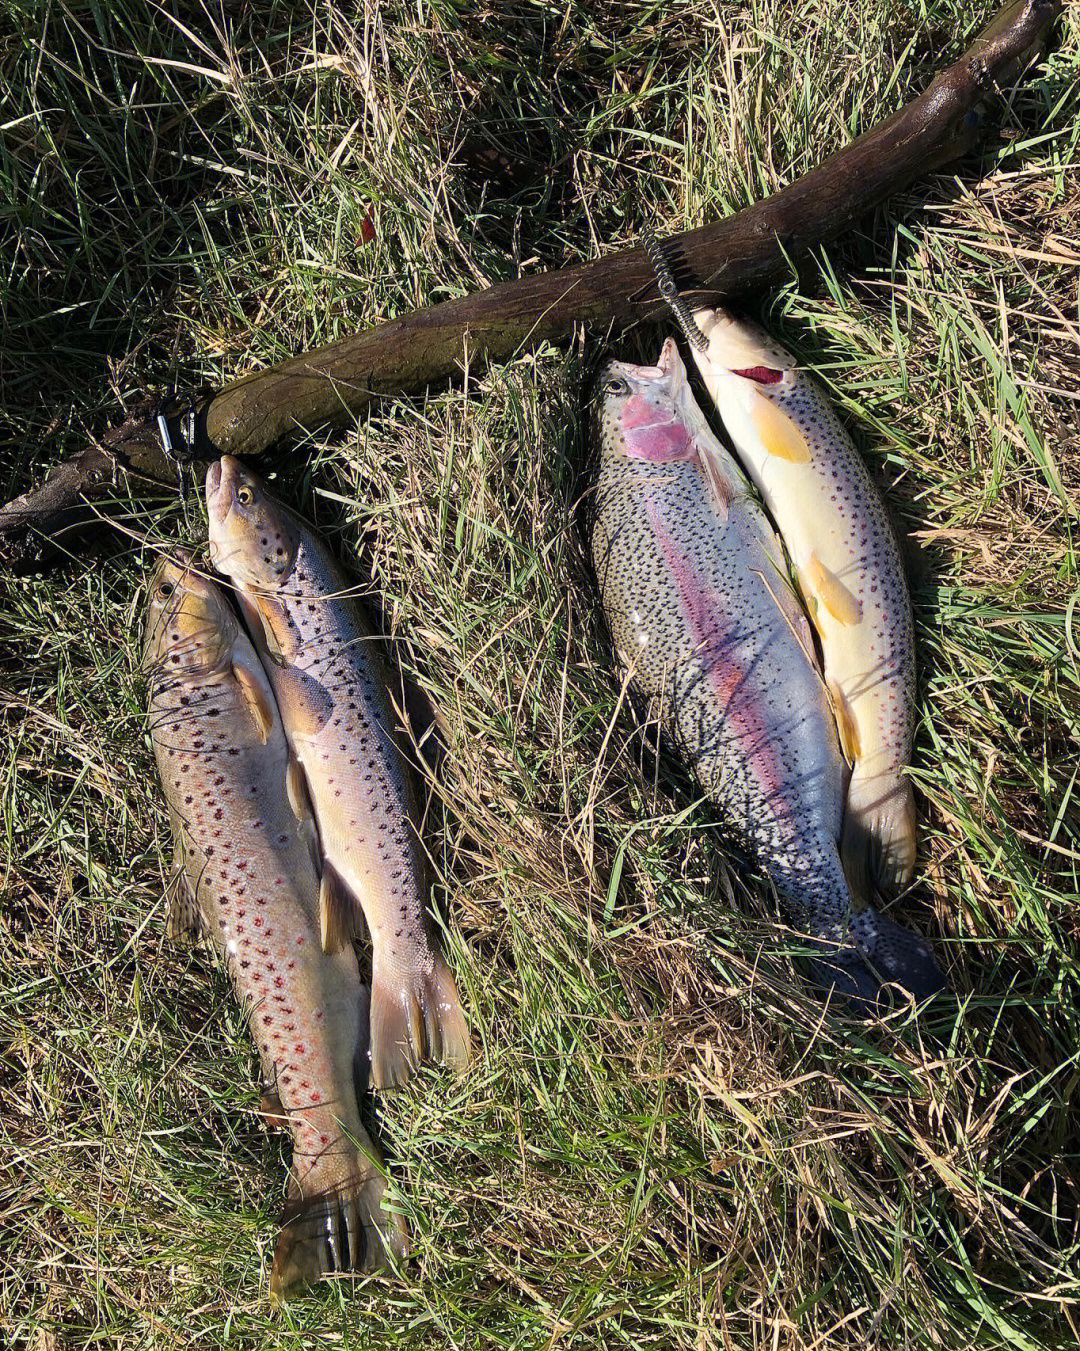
(615,384)
(165,590)
(244,494)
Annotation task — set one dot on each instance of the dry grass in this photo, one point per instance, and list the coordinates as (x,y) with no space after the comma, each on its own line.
(663,1142)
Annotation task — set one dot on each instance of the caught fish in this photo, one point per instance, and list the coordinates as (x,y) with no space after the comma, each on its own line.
(699,605)
(331,688)
(245,876)
(848,566)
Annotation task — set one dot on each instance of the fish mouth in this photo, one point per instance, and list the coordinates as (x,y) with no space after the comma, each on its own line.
(742,349)
(221,481)
(669,366)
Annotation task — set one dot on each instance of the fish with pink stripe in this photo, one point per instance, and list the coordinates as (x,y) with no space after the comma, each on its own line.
(702,611)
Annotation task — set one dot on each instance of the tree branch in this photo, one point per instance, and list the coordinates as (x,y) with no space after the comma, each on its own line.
(718,261)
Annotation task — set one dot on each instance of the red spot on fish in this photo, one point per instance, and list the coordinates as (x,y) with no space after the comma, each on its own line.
(762,375)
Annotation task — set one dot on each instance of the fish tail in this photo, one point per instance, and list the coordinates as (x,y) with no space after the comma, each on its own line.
(878,846)
(417,1018)
(858,952)
(333,1232)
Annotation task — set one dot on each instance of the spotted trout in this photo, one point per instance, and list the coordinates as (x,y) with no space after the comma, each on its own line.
(848,566)
(700,608)
(245,876)
(332,689)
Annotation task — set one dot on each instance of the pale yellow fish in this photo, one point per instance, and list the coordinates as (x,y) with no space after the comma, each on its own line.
(246,877)
(331,685)
(849,569)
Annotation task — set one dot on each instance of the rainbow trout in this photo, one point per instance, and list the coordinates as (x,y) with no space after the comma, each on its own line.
(245,876)
(331,688)
(699,605)
(849,570)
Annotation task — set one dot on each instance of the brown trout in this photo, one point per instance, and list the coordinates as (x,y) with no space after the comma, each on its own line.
(246,877)
(848,566)
(332,690)
(699,605)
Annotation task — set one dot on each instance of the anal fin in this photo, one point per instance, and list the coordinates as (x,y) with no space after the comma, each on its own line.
(182,922)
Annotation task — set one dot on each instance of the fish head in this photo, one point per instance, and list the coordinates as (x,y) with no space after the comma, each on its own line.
(190,628)
(740,354)
(641,411)
(253,538)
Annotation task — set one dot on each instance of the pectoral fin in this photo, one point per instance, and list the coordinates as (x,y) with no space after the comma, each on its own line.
(721,492)
(257,695)
(306,705)
(778,433)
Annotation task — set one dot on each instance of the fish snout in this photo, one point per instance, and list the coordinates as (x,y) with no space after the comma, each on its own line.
(222,479)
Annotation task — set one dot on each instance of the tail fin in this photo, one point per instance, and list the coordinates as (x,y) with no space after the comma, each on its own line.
(338,1231)
(878,846)
(414,1018)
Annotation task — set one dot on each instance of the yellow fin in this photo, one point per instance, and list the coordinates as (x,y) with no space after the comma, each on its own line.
(831,592)
(778,433)
(257,696)
(337,914)
(846,724)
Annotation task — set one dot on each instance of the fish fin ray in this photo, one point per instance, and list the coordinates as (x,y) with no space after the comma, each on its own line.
(257,695)
(719,485)
(778,433)
(879,839)
(846,723)
(417,1019)
(830,592)
(183,923)
(344,1229)
(338,911)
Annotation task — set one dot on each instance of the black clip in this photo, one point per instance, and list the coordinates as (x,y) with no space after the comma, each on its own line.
(181,452)
(669,291)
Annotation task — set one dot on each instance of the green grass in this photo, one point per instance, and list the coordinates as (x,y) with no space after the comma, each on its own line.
(662,1144)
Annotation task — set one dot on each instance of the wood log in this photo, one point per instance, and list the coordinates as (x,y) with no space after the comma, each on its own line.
(719,261)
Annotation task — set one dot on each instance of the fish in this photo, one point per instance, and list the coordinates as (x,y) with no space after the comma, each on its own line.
(700,607)
(245,876)
(332,687)
(847,563)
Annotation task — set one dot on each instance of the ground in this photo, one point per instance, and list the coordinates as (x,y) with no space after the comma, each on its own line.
(663,1141)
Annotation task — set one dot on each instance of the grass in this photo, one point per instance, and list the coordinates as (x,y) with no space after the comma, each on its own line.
(663,1143)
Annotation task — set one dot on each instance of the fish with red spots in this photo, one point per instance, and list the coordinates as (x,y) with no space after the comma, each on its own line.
(246,877)
(703,613)
(332,687)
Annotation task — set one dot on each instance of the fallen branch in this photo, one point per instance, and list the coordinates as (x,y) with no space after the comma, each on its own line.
(722,260)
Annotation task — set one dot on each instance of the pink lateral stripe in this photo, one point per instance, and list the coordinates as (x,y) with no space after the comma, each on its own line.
(708,624)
